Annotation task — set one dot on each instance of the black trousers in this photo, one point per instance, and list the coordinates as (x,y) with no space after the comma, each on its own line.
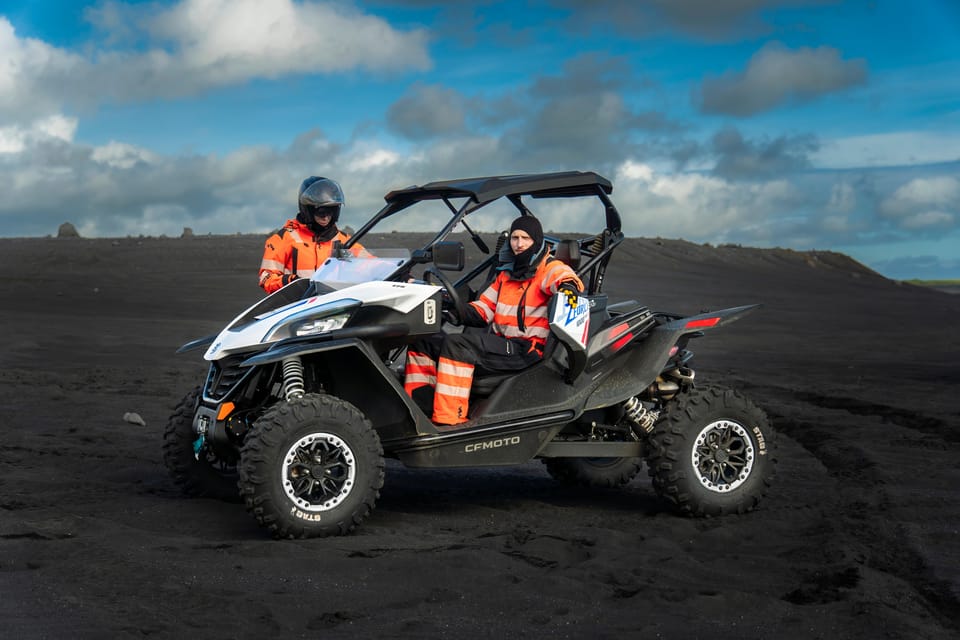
(440,368)
(488,352)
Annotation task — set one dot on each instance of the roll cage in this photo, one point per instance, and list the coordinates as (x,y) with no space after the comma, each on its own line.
(588,256)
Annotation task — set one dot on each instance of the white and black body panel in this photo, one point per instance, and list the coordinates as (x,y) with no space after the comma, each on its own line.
(378,317)
(343,288)
(389,299)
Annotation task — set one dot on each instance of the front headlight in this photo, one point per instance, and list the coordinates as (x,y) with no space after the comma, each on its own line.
(313,321)
(314,326)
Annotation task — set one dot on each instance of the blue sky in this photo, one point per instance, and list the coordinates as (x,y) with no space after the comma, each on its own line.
(806,124)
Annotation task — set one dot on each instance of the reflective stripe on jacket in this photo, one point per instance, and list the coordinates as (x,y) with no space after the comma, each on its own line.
(293,251)
(518,308)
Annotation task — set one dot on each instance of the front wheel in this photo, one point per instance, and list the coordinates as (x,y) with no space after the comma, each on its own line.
(311,467)
(712,453)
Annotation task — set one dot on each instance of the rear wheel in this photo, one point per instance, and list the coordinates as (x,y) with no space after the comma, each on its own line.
(712,453)
(311,467)
(200,473)
(593,472)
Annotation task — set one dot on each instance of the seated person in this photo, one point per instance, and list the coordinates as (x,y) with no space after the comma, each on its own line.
(514,306)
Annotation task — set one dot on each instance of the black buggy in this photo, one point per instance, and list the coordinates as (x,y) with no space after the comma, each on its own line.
(304,394)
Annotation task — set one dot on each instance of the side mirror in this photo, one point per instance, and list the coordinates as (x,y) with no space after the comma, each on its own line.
(448,256)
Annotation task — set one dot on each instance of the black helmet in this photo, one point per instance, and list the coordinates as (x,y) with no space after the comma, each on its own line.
(316,194)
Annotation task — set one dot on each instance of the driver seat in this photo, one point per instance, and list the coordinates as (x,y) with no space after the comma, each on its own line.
(484,385)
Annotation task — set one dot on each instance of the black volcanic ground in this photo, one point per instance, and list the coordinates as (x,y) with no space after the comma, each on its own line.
(858,538)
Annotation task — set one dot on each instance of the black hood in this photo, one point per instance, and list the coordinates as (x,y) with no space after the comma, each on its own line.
(523,265)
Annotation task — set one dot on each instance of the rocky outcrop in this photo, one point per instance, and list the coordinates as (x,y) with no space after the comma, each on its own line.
(67,230)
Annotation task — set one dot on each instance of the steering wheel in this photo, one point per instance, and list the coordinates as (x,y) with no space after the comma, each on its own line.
(457,310)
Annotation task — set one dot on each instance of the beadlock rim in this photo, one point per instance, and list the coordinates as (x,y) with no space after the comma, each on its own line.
(319,471)
(723,455)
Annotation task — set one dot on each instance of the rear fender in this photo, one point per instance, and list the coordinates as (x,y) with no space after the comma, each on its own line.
(616,334)
(646,357)
(711,319)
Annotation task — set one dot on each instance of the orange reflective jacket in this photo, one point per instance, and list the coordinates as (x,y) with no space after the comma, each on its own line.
(518,308)
(293,251)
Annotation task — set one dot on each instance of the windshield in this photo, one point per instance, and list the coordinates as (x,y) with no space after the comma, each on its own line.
(338,273)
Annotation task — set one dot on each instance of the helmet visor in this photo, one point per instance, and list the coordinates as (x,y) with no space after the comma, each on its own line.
(315,211)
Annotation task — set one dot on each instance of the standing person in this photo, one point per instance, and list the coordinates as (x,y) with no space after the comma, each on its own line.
(514,306)
(303,244)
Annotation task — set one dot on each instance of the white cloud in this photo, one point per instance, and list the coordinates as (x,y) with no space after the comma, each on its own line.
(373,159)
(57,126)
(234,40)
(928,220)
(197,45)
(16,138)
(12,140)
(924,203)
(698,207)
(122,156)
(30,71)
(899,148)
(776,75)
(636,171)
(940,190)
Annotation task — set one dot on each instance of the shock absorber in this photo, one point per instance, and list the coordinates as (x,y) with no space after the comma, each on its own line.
(292,378)
(639,415)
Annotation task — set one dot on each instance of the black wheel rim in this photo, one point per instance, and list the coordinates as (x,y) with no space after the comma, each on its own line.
(319,471)
(723,456)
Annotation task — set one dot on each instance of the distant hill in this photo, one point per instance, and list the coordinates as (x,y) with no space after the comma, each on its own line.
(947,286)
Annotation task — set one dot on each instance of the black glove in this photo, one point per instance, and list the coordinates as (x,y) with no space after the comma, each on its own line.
(473,318)
(570,290)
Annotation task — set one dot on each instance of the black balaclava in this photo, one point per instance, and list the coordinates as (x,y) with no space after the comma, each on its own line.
(524,264)
(328,232)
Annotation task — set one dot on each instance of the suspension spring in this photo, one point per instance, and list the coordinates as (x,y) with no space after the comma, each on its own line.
(292,378)
(596,245)
(639,415)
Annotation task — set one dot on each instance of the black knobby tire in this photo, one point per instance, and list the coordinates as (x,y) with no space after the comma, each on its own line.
(209,476)
(311,467)
(712,453)
(604,473)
